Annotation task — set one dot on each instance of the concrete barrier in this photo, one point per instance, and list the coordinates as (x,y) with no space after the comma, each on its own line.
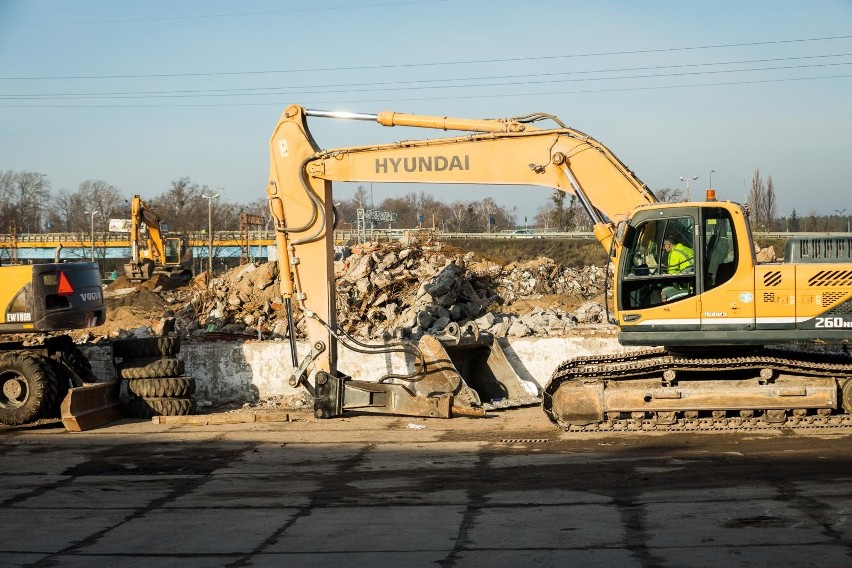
(250,371)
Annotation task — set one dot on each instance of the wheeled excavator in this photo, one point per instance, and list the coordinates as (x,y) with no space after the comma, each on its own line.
(52,377)
(163,253)
(714,344)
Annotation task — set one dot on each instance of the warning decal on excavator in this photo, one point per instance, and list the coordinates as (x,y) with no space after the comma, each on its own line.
(64,286)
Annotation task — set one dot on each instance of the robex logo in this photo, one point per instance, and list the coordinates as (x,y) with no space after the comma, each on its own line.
(90,296)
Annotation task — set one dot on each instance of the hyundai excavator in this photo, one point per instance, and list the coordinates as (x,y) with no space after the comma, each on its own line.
(715,344)
(166,254)
(53,377)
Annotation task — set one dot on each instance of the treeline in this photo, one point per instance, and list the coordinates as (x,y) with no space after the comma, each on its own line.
(26,199)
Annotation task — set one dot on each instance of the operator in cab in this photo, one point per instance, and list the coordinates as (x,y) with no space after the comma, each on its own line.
(680,258)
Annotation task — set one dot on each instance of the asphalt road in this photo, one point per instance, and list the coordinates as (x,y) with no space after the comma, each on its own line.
(509,490)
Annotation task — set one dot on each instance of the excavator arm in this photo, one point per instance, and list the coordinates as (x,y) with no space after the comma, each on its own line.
(499,152)
(141,214)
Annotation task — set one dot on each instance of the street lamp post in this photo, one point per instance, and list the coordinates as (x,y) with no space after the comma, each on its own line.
(93,213)
(841,213)
(686,179)
(210,199)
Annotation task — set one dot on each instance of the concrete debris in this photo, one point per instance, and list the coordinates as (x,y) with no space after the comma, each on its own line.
(402,289)
(765,254)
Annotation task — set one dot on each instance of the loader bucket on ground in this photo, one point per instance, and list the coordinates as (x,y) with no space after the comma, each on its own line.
(91,405)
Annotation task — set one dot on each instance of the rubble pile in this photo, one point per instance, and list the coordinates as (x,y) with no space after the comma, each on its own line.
(242,301)
(405,291)
(400,289)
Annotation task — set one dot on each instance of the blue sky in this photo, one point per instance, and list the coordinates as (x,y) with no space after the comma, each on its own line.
(142,93)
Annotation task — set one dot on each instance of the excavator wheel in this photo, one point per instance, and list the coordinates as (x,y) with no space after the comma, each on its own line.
(162,387)
(147,407)
(149,368)
(142,347)
(28,387)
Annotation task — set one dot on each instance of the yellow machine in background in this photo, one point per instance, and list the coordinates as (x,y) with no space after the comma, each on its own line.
(36,379)
(714,311)
(167,254)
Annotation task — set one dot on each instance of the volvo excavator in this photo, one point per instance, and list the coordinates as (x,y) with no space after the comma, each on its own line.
(52,377)
(164,253)
(712,343)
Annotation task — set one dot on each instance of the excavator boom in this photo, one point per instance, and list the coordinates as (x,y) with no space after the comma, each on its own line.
(500,152)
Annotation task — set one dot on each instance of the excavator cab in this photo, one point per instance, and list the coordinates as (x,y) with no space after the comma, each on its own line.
(671,255)
(173,251)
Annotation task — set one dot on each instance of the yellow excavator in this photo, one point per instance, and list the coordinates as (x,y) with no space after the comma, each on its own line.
(164,253)
(715,329)
(52,377)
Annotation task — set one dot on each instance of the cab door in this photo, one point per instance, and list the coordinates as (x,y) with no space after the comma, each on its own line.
(728,296)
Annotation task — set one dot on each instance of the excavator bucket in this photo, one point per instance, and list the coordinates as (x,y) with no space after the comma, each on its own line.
(91,405)
(476,369)
(461,369)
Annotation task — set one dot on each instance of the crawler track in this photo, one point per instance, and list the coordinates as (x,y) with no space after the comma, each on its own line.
(660,370)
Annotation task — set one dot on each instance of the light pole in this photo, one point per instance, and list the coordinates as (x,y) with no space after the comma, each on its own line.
(93,213)
(842,216)
(210,199)
(686,179)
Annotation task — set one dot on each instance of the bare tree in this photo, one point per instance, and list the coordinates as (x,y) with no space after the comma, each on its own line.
(103,198)
(459,216)
(548,216)
(555,215)
(669,195)
(756,201)
(65,213)
(182,206)
(360,197)
(770,205)
(23,196)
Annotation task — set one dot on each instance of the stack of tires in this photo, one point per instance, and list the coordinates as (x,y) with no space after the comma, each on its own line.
(155,377)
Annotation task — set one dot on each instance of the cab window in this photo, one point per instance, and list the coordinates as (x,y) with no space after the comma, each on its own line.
(660,263)
(721,258)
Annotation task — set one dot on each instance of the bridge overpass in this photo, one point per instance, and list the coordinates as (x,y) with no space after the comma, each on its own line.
(227,245)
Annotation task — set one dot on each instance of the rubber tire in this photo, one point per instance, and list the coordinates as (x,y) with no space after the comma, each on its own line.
(147,407)
(151,368)
(162,387)
(146,347)
(42,388)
